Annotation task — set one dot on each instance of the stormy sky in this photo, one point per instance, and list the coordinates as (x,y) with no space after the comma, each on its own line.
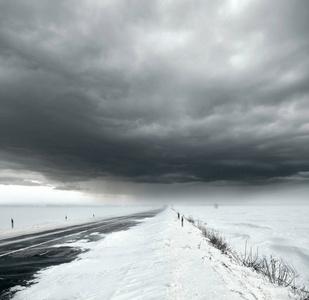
(135,97)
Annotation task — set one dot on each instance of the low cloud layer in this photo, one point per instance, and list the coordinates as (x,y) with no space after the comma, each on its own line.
(155,91)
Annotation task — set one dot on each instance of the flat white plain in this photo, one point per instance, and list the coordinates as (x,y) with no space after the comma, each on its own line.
(159,259)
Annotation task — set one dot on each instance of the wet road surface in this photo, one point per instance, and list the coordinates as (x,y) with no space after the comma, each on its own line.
(21,257)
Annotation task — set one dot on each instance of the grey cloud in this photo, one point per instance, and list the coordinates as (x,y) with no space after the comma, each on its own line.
(20,177)
(69,187)
(155,92)
(18,181)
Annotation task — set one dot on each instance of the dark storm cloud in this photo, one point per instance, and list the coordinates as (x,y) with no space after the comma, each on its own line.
(155,91)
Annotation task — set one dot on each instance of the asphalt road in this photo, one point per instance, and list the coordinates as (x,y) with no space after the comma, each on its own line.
(21,257)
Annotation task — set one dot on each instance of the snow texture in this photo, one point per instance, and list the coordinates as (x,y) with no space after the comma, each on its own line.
(157,259)
(280,231)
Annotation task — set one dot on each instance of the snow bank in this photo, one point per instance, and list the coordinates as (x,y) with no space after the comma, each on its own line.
(280,231)
(158,259)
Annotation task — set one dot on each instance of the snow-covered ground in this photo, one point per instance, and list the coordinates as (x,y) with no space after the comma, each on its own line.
(34,215)
(281,231)
(157,259)
(30,219)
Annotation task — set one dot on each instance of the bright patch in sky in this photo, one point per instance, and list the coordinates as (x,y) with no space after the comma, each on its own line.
(14,194)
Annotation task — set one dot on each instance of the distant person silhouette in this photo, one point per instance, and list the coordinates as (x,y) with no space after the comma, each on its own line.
(12,222)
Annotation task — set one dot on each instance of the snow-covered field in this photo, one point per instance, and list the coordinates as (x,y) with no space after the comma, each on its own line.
(157,259)
(34,215)
(28,219)
(281,231)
